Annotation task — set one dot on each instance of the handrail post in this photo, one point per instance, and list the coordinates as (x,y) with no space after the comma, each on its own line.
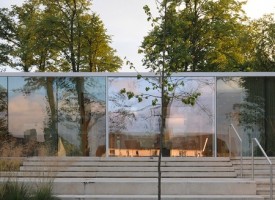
(241,149)
(271,183)
(252,153)
(268,160)
(229,138)
(241,145)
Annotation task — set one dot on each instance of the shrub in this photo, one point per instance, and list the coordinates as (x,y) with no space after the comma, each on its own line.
(44,192)
(13,190)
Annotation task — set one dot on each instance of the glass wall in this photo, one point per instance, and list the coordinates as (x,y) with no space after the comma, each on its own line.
(3,106)
(31,110)
(135,126)
(190,129)
(82,116)
(248,104)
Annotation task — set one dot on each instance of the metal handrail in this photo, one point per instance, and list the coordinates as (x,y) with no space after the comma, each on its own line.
(241,146)
(269,161)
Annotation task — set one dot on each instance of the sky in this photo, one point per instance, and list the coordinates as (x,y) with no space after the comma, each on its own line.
(126,22)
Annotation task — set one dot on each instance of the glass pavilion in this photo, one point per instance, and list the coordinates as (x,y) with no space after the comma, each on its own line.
(84,114)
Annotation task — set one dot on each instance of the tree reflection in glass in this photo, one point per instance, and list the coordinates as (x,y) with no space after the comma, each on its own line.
(81,115)
(3,106)
(135,126)
(32,114)
(243,102)
(248,103)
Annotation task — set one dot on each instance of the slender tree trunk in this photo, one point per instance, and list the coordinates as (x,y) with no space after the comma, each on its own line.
(53,119)
(73,61)
(84,117)
(194,38)
(163,100)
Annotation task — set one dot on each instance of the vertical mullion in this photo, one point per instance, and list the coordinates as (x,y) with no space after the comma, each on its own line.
(215,118)
(107,115)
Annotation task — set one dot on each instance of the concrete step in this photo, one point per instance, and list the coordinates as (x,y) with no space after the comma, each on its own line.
(257,173)
(263,187)
(129,159)
(124,168)
(145,186)
(248,161)
(261,167)
(126,174)
(250,158)
(121,164)
(91,167)
(136,178)
(163,197)
(249,166)
(142,186)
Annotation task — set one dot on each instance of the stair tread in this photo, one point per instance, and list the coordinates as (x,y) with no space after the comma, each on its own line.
(168,180)
(137,197)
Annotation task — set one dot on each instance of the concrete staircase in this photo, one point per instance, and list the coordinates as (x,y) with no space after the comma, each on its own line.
(261,173)
(136,178)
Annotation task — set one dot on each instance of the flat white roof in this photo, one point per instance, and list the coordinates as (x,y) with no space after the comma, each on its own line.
(133,74)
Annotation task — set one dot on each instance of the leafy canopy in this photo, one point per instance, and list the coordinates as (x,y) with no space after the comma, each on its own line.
(207,35)
(55,35)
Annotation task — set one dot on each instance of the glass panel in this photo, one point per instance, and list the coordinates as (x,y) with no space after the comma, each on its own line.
(134,126)
(3,107)
(32,116)
(82,116)
(268,140)
(190,129)
(242,101)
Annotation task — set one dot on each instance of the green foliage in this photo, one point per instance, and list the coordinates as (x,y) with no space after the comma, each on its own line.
(10,165)
(122,91)
(262,57)
(130,94)
(55,35)
(13,190)
(191,100)
(44,192)
(154,102)
(139,76)
(199,36)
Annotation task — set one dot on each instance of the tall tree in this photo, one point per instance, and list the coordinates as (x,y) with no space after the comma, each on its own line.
(16,39)
(60,35)
(202,35)
(263,40)
(57,35)
(159,63)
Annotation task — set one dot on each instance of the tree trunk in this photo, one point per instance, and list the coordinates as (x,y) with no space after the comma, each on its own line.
(85,118)
(53,116)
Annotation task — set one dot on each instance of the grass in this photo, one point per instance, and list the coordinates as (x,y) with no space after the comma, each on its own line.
(14,190)
(10,164)
(44,192)
(12,154)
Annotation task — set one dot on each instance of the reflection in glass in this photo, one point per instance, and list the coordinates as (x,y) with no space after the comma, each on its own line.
(269,116)
(135,126)
(190,129)
(247,103)
(3,106)
(32,115)
(81,116)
